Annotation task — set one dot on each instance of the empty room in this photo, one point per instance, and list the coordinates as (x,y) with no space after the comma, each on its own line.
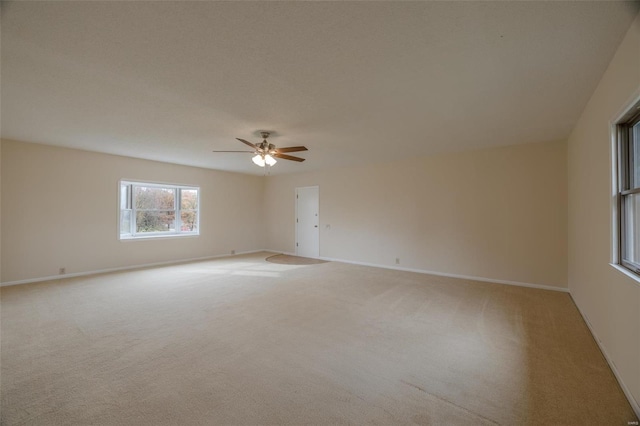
(306,212)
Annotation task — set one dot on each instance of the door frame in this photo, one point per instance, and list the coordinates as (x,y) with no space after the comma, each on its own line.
(295,224)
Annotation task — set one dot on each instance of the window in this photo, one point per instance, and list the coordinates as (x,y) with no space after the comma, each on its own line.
(628,190)
(158,210)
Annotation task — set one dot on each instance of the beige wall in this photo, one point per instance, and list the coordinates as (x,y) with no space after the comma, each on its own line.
(0,210)
(59,209)
(609,299)
(496,213)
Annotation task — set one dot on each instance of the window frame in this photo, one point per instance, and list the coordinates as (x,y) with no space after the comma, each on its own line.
(624,163)
(132,235)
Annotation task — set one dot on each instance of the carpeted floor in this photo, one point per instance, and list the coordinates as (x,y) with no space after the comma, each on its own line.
(244,341)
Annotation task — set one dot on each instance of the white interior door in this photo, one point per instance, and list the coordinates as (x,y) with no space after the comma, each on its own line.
(307,222)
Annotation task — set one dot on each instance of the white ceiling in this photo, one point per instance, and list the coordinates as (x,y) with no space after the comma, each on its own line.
(355,82)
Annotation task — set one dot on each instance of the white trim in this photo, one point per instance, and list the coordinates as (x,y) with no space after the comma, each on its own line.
(374,265)
(634,404)
(122,268)
(445,274)
(615,214)
(155,235)
(177,191)
(624,112)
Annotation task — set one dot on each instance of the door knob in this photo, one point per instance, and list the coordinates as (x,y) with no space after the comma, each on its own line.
(315,226)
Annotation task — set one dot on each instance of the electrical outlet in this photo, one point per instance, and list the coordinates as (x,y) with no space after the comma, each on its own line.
(397,260)
(233,252)
(63,270)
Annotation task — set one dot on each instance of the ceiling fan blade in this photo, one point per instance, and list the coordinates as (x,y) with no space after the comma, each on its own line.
(254,146)
(250,152)
(288,157)
(292,149)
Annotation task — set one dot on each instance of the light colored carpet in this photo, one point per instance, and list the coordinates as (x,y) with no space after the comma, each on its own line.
(245,341)
(285,259)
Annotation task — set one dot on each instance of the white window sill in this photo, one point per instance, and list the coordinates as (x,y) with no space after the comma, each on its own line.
(154,237)
(628,273)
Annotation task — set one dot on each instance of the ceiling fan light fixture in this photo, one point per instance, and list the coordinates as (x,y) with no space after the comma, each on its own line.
(258,160)
(270,160)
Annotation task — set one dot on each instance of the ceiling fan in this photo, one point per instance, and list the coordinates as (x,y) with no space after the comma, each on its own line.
(266,153)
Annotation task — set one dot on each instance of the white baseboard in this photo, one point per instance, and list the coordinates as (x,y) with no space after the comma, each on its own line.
(444,274)
(634,404)
(196,259)
(123,268)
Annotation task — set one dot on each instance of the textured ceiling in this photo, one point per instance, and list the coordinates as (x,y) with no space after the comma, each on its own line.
(356,82)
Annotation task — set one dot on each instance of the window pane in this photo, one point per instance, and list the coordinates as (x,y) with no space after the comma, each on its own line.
(125,222)
(189,199)
(124,199)
(153,221)
(189,220)
(634,158)
(154,198)
(632,228)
